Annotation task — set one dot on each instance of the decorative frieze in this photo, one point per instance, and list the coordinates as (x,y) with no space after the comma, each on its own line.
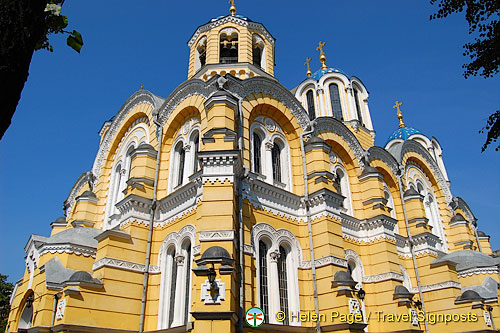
(216,235)
(479,270)
(124,264)
(383,277)
(437,286)
(325,261)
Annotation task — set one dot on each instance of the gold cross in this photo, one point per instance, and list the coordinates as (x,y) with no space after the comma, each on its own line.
(398,104)
(320,47)
(232,10)
(308,60)
(400,114)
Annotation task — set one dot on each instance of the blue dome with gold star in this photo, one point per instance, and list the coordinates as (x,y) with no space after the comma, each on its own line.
(403,133)
(319,73)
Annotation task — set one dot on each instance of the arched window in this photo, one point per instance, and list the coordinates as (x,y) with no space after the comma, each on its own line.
(276,160)
(257,144)
(172,264)
(335,101)
(181,158)
(175,288)
(358,107)
(201,53)
(282,276)
(228,46)
(196,145)
(264,297)
(258,51)
(26,318)
(341,183)
(310,104)
(279,256)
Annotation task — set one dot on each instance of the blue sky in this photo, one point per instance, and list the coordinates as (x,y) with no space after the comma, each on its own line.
(390,45)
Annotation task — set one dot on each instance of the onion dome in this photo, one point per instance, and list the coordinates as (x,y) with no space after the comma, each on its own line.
(318,74)
(403,132)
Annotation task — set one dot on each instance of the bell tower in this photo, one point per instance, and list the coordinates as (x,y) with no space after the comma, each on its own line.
(231,44)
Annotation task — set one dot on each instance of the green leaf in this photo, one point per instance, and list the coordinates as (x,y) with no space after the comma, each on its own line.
(75,41)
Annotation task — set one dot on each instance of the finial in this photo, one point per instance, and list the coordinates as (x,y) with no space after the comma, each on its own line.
(142,86)
(232,10)
(400,114)
(308,73)
(322,56)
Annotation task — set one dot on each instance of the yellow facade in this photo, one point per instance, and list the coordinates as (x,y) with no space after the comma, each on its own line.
(236,176)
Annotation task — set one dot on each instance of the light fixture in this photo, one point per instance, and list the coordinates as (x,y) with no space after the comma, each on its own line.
(361,294)
(418,304)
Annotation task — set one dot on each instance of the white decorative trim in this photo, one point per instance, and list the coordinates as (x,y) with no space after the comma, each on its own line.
(383,277)
(124,264)
(369,230)
(196,250)
(216,235)
(478,270)
(179,203)
(248,249)
(437,286)
(325,261)
(68,248)
(205,292)
(61,306)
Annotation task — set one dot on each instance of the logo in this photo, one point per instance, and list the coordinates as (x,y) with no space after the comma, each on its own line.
(254,317)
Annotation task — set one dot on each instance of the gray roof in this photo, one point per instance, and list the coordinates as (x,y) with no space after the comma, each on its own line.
(76,236)
(56,273)
(487,290)
(467,259)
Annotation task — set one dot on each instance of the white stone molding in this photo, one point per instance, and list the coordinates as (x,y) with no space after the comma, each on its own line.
(379,153)
(383,277)
(332,125)
(248,249)
(124,265)
(230,19)
(437,286)
(478,270)
(196,250)
(206,296)
(177,239)
(68,248)
(179,203)
(216,235)
(79,184)
(61,306)
(219,166)
(358,273)
(370,230)
(414,146)
(325,261)
(133,208)
(424,244)
(277,201)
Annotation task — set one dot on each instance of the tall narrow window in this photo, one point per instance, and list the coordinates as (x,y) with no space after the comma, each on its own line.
(173,280)
(196,163)
(182,159)
(258,51)
(188,282)
(358,108)
(310,104)
(335,100)
(228,46)
(257,143)
(276,159)
(283,284)
(264,294)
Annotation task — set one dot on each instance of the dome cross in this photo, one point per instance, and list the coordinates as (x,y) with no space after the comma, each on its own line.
(400,114)
(308,73)
(322,56)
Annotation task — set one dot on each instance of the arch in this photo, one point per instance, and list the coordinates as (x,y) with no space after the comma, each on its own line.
(175,258)
(283,257)
(433,169)
(341,182)
(258,51)
(331,125)
(25,313)
(139,97)
(459,203)
(335,101)
(228,45)
(275,161)
(200,53)
(358,273)
(311,107)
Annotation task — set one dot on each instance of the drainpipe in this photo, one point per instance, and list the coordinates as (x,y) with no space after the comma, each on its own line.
(54,309)
(159,135)
(410,238)
(240,220)
(309,227)
(477,237)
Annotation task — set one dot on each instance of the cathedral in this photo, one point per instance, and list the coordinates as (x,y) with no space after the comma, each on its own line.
(238,205)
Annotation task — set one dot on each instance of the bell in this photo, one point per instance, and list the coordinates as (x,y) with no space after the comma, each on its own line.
(233,46)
